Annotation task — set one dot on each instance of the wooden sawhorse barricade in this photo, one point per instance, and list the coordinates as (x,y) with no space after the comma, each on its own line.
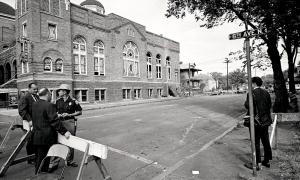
(92,152)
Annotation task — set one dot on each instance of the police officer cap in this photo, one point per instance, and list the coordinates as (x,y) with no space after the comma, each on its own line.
(64,87)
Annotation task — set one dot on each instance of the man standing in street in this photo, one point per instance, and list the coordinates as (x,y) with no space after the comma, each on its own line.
(46,124)
(262,111)
(68,108)
(25,111)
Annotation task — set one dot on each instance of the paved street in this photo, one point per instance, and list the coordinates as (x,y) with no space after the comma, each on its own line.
(152,141)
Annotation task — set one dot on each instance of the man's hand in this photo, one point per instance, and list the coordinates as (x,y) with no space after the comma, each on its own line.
(67,134)
(65,115)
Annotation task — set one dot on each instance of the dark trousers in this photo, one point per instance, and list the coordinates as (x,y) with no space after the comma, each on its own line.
(30,149)
(262,134)
(70,126)
(41,153)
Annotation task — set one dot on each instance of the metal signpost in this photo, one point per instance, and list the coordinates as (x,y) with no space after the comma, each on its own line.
(247,34)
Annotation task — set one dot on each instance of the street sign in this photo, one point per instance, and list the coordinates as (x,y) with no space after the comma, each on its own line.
(248,33)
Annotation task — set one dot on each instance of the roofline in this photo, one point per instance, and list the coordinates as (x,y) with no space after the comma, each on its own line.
(10,17)
(127,19)
(162,37)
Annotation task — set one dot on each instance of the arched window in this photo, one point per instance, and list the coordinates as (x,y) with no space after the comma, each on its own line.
(149,65)
(1,74)
(99,61)
(168,63)
(47,64)
(59,65)
(131,60)
(79,52)
(8,71)
(158,66)
(15,69)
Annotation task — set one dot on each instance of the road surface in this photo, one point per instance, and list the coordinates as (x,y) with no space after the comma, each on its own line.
(152,141)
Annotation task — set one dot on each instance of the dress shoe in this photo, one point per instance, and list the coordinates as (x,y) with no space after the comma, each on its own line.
(266,164)
(249,166)
(72,164)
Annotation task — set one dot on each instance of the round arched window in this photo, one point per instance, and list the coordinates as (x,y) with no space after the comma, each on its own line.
(47,64)
(131,59)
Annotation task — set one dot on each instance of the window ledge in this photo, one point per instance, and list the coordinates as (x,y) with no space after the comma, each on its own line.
(53,40)
(80,74)
(51,72)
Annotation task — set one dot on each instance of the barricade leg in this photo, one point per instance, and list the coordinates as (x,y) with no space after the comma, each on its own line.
(11,160)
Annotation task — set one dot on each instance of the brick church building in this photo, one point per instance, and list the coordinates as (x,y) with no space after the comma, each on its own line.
(103,57)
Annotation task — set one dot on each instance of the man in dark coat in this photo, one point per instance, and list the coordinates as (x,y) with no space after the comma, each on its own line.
(262,108)
(46,124)
(25,108)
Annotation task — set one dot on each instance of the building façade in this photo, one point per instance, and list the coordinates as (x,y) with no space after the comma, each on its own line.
(103,57)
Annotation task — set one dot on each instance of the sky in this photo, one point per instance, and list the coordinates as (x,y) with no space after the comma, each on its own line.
(208,48)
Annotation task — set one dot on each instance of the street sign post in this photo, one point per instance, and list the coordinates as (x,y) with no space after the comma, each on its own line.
(247,34)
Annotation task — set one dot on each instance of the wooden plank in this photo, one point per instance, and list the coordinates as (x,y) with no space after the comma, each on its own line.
(273,130)
(95,149)
(22,159)
(78,143)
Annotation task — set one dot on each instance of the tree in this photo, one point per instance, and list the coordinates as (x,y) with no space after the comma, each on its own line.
(216,76)
(257,13)
(258,56)
(237,77)
(268,80)
(288,25)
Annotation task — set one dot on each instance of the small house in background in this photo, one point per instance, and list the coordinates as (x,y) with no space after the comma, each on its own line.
(188,79)
(207,83)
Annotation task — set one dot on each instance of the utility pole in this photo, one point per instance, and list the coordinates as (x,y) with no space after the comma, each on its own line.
(227,61)
(189,79)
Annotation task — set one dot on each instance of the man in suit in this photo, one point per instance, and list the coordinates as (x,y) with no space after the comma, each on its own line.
(46,124)
(262,108)
(25,109)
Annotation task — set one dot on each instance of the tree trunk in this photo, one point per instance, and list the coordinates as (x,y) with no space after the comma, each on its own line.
(281,97)
(291,72)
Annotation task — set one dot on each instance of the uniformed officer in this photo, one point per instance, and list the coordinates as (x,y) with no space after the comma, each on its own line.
(67,109)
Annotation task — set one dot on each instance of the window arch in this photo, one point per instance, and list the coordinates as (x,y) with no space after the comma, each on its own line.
(99,58)
(131,59)
(79,52)
(59,65)
(48,64)
(158,66)
(149,65)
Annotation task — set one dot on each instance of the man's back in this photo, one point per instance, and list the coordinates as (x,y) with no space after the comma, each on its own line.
(43,114)
(263,102)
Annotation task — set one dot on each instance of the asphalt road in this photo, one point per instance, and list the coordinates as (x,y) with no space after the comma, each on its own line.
(151,141)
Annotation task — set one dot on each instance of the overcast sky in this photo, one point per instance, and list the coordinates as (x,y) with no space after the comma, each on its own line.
(206,47)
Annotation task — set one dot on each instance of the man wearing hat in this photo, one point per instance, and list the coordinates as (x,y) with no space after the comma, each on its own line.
(67,109)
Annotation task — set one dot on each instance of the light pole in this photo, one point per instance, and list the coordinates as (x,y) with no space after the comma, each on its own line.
(227,61)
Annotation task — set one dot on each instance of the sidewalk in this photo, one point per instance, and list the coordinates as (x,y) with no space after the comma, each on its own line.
(14,112)
(225,159)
